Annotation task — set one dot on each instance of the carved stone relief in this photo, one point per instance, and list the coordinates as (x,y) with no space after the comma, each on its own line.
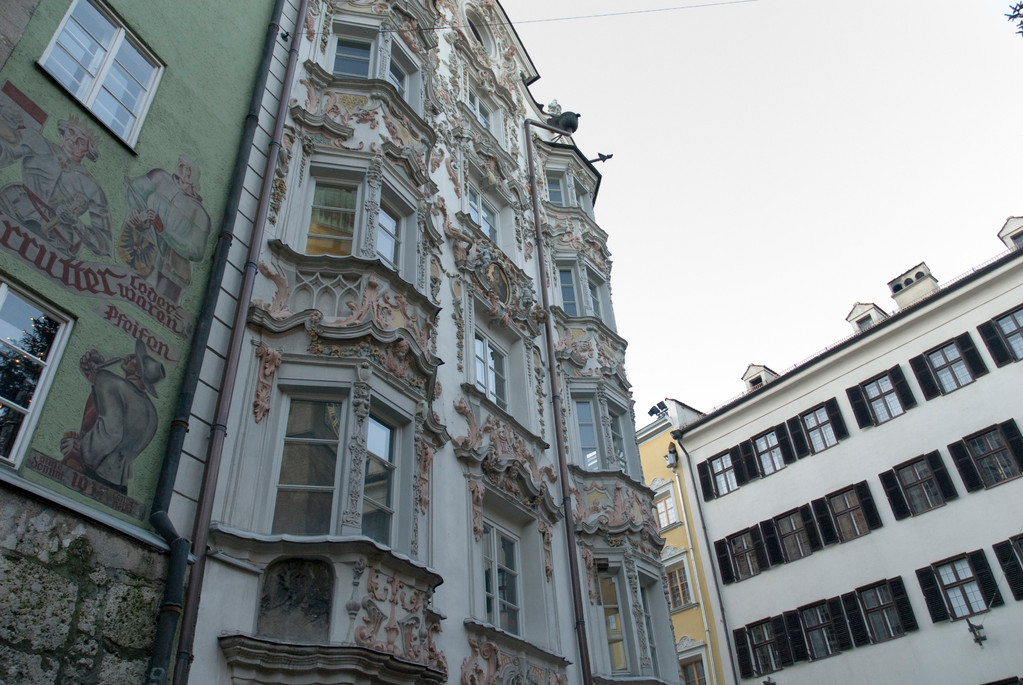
(271,360)
(296,600)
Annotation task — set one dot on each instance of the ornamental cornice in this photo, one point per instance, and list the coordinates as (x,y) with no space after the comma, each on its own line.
(613,506)
(497,656)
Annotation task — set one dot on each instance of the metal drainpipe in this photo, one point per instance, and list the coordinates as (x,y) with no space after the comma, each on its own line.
(713,568)
(696,576)
(170,607)
(559,433)
(218,430)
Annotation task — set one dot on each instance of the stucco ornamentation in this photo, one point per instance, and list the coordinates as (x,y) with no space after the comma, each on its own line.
(476,490)
(271,360)
(357,454)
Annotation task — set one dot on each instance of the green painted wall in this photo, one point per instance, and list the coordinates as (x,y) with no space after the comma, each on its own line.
(211,51)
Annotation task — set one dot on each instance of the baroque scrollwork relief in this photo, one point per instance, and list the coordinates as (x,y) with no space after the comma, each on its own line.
(607,507)
(270,361)
(490,664)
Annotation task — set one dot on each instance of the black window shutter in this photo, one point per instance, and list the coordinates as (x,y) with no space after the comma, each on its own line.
(837,422)
(822,514)
(838,624)
(794,630)
(967,469)
(787,453)
(742,653)
(933,595)
(771,544)
(902,605)
(1011,567)
(902,389)
(924,377)
(995,345)
(706,483)
(859,406)
(857,626)
(737,464)
(724,561)
(867,504)
(945,484)
(811,528)
(890,482)
(1014,440)
(799,443)
(749,460)
(970,355)
(758,548)
(781,640)
(985,579)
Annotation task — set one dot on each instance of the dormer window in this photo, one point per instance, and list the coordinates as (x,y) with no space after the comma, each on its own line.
(756,382)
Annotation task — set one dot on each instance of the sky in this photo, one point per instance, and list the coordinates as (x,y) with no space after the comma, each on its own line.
(777,161)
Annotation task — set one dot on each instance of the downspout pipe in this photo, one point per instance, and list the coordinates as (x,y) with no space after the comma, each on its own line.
(677,435)
(559,432)
(174,588)
(218,430)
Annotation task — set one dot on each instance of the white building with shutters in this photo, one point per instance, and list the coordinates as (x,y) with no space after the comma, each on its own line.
(864,506)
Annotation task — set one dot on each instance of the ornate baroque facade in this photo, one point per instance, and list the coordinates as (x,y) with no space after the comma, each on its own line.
(385,504)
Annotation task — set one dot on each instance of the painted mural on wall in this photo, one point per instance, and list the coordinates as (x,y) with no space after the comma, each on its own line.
(56,217)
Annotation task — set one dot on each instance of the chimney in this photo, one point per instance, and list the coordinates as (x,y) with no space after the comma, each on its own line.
(913,286)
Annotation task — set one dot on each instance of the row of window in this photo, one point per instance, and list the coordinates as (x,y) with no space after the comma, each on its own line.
(809,433)
(871,614)
(940,371)
(840,516)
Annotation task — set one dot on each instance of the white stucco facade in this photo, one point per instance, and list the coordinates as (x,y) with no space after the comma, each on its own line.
(926,532)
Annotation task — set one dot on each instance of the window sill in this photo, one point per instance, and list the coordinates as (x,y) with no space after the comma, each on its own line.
(685,607)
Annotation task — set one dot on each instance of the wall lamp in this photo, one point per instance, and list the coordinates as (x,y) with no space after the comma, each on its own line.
(978,633)
(671,458)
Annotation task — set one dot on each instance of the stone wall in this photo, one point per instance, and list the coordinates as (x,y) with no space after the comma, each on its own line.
(78,601)
(13,21)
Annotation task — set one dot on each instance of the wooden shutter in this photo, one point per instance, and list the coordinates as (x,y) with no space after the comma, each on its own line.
(1014,440)
(902,605)
(838,624)
(924,376)
(859,406)
(995,345)
(742,653)
(970,355)
(837,421)
(945,484)
(724,561)
(985,579)
(758,548)
(857,625)
(799,443)
(967,469)
(933,594)
(902,389)
(822,514)
(794,631)
(772,545)
(706,482)
(1013,570)
(787,453)
(867,505)
(738,466)
(781,640)
(749,459)
(890,482)
(806,514)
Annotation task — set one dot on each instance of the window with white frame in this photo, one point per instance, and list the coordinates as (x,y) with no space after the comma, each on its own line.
(556,189)
(768,451)
(491,370)
(501,578)
(949,367)
(960,588)
(819,429)
(584,292)
(693,673)
(666,513)
(883,399)
(31,339)
(678,588)
(596,291)
(482,110)
(483,212)
(339,224)
(569,298)
(611,598)
(595,455)
(314,470)
(820,631)
(104,66)
(722,470)
(358,55)
(353,58)
(764,644)
(1011,328)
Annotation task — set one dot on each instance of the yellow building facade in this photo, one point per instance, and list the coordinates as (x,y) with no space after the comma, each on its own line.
(689,590)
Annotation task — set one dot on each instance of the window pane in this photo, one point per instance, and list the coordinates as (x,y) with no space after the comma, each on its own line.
(352,59)
(123,86)
(302,512)
(112,113)
(135,64)
(10,425)
(378,439)
(307,464)
(92,20)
